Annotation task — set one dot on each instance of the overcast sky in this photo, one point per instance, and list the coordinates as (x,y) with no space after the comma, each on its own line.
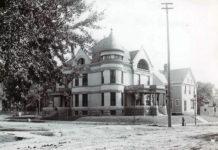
(193,32)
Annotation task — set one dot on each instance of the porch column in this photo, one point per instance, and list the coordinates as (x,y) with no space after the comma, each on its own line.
(153,99)
(125,99)
(158,102)
(142,99)
(150,99)
(164,100)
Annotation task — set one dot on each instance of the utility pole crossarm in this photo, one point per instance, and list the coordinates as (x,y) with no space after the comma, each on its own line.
(167,3)
(166,7)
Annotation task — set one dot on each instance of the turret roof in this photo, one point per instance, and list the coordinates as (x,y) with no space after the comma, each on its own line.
(108,43)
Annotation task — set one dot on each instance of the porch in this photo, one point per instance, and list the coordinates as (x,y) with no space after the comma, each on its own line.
(144,100)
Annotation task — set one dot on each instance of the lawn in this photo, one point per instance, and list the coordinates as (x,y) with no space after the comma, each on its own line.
(67,135)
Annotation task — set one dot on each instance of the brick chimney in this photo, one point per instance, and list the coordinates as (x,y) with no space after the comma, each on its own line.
(165,68)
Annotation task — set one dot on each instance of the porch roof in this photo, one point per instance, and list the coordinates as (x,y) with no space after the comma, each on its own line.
(145,89)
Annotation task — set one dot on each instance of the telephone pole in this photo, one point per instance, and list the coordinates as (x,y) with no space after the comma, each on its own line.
(167,7)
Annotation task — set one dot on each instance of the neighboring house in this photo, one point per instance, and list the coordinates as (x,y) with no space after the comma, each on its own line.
(214,101)
(216,97)
(183,90)
(112,81)
(211,108)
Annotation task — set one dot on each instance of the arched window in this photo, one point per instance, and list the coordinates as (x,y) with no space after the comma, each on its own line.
(81,61)
(142,64)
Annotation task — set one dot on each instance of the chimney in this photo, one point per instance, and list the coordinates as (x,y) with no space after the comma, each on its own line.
(165,68)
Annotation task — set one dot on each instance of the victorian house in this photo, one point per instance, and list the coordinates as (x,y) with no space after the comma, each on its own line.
(112,81)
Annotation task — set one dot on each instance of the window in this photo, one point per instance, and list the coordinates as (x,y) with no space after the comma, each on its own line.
(102,99)
(66,104)
(112,76)
(185,89)
(192,103)
(194,91)
(113,112)
(122,77)
(102,112)
(76,113)
(113,99)
(84,113)
(85,100)
(118,57)
(81,61)
(142,64)
(189,89)
(76,81)
(102,77)
(76,100)
(122,99)
(85,79)
(133,102)
(171,105)
(139,78)
(148,81)
(177,102)
(148,102)
(115,56)
(107,56)
(185,106)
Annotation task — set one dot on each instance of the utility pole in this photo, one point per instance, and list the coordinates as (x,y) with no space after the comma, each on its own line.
(167,7)
(195,108)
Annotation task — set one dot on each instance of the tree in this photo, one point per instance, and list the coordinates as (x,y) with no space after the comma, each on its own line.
(204,94)
(36,33)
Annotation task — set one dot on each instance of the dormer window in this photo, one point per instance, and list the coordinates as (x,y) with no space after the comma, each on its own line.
(81,61)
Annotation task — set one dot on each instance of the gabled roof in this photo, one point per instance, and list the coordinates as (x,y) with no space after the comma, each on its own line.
(133,54)
(179,75)
(147,56)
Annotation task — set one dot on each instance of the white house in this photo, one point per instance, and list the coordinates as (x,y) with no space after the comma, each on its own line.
(183,90)
(112,81)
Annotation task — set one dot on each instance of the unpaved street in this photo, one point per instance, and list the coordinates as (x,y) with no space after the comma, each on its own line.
(87,135)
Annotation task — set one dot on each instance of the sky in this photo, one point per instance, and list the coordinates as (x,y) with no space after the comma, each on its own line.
(142,23)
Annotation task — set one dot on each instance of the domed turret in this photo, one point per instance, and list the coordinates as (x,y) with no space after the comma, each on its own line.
(108,48)
(108,43)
